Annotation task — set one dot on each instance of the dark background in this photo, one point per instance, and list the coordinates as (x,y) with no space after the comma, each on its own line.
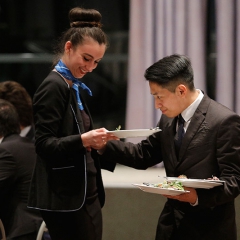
(31,26)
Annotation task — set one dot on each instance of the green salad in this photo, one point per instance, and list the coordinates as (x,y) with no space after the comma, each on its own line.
(118,128)
(170,184)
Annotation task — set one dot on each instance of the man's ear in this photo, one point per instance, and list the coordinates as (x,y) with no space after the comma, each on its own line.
(181,90)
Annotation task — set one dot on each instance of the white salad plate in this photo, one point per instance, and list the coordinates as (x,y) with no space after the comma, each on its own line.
(134,132)
(197,183)
(159,190)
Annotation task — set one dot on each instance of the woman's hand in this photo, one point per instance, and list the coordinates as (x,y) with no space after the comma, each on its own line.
(96,138)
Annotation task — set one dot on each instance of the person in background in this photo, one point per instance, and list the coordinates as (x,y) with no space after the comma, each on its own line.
(16,94)
(67,185)
(17,160)
(200,139)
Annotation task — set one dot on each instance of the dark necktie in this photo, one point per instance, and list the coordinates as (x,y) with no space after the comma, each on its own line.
(179,134)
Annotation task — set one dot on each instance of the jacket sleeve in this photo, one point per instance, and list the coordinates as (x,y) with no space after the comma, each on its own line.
(145,154)
(228,159)
(7,170)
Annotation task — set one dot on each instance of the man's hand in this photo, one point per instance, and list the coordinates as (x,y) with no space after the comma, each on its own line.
(190,197)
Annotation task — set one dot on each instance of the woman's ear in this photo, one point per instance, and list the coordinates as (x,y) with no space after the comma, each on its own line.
(68,46)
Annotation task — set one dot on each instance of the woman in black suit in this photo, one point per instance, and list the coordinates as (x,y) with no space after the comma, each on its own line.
(67,185)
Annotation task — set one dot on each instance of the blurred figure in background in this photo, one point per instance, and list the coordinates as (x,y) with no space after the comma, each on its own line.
(16,94)
(17,160)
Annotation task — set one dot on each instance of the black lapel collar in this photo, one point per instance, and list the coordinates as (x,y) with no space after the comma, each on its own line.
(168,131)
(196,122)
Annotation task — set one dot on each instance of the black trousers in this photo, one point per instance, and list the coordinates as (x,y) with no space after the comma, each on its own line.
(83,224)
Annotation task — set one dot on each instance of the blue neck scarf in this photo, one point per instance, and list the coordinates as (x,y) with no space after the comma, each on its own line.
(65,72)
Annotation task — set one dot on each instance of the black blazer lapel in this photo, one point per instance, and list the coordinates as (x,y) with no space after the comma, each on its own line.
(169,130)
(196,124)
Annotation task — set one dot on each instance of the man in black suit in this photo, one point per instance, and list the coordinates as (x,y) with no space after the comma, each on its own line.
(209,146)
(17,160)
(18,96)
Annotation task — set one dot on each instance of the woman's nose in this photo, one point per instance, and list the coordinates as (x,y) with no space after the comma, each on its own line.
(90,67)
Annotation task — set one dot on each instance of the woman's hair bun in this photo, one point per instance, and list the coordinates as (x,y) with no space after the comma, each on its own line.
(80,17)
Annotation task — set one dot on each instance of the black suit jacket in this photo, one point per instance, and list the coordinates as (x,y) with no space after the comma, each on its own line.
(17,160)
(211,146)
(59,181)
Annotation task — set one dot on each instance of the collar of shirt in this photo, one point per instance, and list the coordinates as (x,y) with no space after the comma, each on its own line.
(190,110)
(25,131)
(1,139)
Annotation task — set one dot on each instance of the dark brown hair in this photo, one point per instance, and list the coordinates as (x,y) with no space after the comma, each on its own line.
(9,121)
(84,23)
(18,96)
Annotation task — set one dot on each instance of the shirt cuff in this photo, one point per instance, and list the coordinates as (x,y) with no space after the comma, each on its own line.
(195,204)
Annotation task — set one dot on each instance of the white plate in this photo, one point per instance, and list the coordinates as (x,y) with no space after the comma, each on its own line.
(197,183)
(158,190)
(134,133)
